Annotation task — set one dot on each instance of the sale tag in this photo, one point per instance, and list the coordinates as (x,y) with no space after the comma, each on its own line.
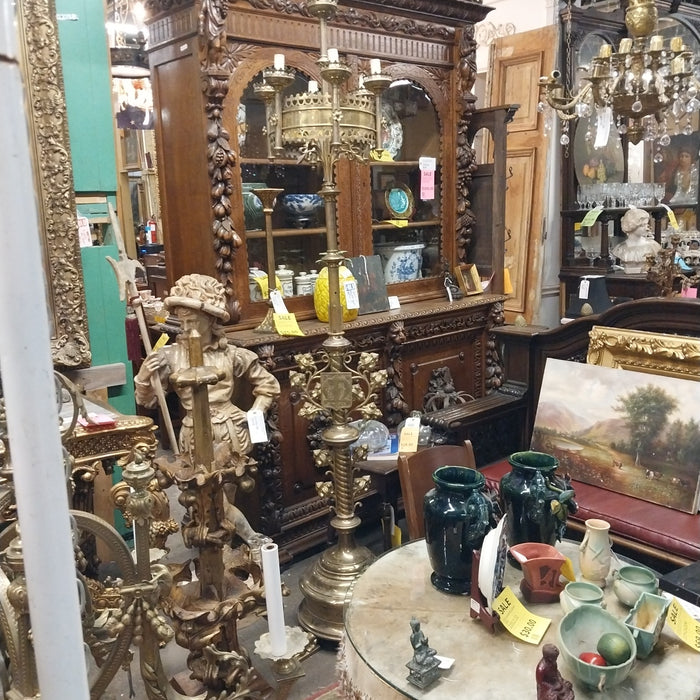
(394,302)
(278,304)
(408,440)
(684,624)
(517,619)
(426,165)
(583,289)
(671,217)
(352,299)
(591,216)
(162,341)
(567,570)
(256,425)
(286,324)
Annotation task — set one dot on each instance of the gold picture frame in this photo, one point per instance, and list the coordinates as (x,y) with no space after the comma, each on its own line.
(468,279)
(53,171)
(655,353)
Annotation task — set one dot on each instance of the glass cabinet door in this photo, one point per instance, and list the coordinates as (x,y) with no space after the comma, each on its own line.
(406,185)
(298,218)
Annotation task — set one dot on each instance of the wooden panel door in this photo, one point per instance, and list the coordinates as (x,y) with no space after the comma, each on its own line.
(518,62)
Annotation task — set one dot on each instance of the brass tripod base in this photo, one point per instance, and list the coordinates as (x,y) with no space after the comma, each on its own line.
(267,325)
(326,586)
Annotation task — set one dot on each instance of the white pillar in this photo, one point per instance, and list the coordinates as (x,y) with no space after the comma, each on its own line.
(32,415)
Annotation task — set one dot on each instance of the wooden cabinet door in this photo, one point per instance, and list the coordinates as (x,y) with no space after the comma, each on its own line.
(518,62)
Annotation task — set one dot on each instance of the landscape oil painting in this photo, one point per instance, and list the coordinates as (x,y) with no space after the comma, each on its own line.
(631,432)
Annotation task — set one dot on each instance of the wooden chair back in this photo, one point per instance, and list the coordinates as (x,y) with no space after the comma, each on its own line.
(416,477)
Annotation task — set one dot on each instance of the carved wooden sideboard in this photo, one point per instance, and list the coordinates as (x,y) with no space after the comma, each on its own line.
(205,58)
(412,342)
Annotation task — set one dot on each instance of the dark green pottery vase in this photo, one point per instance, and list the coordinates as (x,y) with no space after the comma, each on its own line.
(535,499)
(457,516)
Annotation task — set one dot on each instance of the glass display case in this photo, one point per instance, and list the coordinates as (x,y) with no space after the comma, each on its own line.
(601,181)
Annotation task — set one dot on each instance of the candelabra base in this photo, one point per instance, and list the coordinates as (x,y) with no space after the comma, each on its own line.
(326,586)
(267,325)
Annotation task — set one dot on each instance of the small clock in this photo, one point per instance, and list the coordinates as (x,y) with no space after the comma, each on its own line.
(399,201)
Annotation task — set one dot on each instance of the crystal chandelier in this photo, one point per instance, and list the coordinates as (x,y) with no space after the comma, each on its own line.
(646,89)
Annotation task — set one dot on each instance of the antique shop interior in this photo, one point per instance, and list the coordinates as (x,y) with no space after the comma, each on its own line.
(334,304)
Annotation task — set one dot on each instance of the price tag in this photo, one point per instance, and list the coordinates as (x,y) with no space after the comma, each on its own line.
(286,324)
(591,216)
(426,165)
(352,299)
(671,216)
(583,289)
(567,570)
(394,302)
(399,223)
(517,619)
(161,342)
(684,624)
(278,304)
(408,440)
(256,425)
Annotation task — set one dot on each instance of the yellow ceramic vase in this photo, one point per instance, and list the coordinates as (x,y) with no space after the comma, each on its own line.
(322,297)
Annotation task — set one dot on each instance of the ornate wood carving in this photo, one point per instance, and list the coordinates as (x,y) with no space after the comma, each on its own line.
(48,124)
(494,363)
(395,406)
(466,158)
(216,67)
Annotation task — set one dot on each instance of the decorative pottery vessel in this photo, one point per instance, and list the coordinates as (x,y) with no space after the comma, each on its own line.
(536,499)
(457,516)
(302,209)
(321,295)
(541,565)
(402,263)
(304,284)
(286,278)
(253,213)
(579,631)
(595,554)
(631,581)
(577,593)
(646,620)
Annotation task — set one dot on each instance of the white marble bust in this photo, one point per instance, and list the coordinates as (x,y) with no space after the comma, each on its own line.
(633,251)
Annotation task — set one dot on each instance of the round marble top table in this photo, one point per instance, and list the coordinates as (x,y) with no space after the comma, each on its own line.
(487,666)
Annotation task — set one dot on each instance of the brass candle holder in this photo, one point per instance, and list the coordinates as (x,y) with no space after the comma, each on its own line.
(267,196)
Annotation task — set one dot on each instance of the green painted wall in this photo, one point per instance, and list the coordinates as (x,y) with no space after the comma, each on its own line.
(106,314)
(85,59)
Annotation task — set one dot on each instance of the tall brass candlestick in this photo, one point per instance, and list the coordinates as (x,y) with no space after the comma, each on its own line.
(268,195)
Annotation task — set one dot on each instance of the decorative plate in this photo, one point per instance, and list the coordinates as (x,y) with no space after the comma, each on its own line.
(399,201)
(392,131)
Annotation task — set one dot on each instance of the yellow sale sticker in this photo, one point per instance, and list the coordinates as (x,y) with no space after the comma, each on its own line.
(164,338)
(591,216)
(684,624)
(286,324)
(517,619)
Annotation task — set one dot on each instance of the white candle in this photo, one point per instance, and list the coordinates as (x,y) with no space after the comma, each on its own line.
(32,414)
(375,66)
(333,56)
(273,599)
(279,61)
(313,86)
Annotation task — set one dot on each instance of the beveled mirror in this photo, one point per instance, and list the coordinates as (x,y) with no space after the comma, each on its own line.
(53,173)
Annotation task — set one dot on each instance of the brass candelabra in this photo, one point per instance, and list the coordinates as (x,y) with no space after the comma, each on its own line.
(320,127)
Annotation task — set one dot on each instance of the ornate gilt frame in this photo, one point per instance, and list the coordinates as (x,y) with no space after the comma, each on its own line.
(655,353)
(53,171)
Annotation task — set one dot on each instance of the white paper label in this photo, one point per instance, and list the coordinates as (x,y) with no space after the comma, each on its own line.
(583,289)
(256,425)
(277,302)
(352,300)
(394,303)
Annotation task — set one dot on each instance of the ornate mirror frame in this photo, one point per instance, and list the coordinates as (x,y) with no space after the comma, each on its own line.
(53,172)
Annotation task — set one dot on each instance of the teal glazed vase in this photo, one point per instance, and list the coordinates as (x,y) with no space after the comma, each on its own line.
(535,500)
(457,516)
